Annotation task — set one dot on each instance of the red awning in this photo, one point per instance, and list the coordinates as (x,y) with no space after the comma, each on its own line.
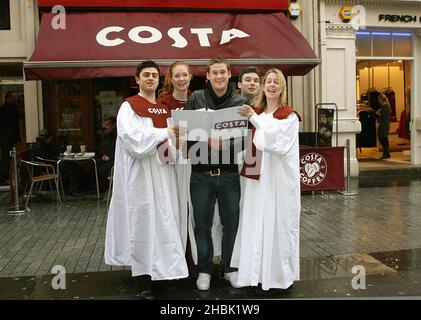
(173,4)
(99,45)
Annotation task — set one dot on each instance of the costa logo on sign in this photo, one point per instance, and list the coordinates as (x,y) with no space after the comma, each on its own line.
(313,169)
(231,124)
(105,39)
(157,111)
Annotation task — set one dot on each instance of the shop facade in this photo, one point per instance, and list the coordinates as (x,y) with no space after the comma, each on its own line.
(376,50)
(83,81)
(18,25)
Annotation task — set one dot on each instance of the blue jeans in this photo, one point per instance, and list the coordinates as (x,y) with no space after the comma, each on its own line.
(204,190)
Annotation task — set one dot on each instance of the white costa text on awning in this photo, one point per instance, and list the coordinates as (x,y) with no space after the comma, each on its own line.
(103,38)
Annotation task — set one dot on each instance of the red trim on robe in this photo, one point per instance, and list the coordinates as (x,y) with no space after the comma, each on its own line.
(172,103)
(156,111)
(159,114)
(253,160)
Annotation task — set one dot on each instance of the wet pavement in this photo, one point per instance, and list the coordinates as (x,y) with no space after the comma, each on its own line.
(395,274)
(362,246)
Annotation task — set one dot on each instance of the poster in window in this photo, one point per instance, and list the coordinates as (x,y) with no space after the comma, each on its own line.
(110,103)
(325,127)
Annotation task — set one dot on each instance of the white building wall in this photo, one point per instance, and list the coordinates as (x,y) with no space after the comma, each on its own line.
(16,46)
(303,91)
(416,103)
(334,48)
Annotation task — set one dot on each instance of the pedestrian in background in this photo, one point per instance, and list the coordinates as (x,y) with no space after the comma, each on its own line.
(107,152)
(70,171)
(9,133)
(384,124)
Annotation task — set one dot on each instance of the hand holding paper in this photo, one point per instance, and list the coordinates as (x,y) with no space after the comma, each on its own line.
(225,123)
(176,132)
(246,111)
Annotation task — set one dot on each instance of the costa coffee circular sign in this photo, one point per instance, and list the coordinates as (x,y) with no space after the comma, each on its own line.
(313,169)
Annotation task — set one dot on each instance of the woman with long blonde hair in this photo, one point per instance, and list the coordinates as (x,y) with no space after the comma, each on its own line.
(266,249)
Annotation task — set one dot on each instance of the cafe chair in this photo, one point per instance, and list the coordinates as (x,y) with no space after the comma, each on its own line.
(54,163)
(46,171)
(110,185)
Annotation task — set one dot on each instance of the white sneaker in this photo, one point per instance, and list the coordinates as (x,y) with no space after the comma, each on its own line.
(232,277)
(203,281)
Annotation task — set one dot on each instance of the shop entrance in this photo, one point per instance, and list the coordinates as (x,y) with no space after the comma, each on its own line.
(384,64)
(393,78)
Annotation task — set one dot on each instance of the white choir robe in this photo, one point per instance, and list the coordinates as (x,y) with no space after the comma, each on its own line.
(142,230)
(266,249)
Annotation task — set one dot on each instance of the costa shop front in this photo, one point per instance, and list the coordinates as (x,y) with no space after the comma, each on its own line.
(87,51)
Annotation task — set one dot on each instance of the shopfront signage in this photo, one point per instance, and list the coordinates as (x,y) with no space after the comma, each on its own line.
(108,37)
(405,18)
(173,4)
(322,168)
(313,169)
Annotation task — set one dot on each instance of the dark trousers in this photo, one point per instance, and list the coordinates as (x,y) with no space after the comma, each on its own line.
(71,173)
(204,190)
(104,171)
(5,146)
(384,141)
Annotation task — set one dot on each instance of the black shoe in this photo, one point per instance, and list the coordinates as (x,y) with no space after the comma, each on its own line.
(171,285)
(146,295)
(384,157)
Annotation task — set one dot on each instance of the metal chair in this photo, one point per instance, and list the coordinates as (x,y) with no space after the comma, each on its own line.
(110,185)
(47,173)
(54,163)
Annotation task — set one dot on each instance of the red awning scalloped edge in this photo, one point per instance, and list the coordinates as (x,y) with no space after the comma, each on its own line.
(101,45)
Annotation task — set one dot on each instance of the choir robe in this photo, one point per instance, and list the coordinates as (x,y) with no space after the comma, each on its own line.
(266,249)
(186,220)
(142,227)
(182,171)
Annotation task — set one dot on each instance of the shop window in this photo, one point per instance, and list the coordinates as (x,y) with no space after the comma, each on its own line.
(402,44)
(69,109)
(381,44)
(108,95)
(363,44)
(11,71)
(376,43)
(4,14)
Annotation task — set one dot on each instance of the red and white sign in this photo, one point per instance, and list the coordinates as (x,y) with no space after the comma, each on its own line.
(313,169)
(322,168)
(172,4)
